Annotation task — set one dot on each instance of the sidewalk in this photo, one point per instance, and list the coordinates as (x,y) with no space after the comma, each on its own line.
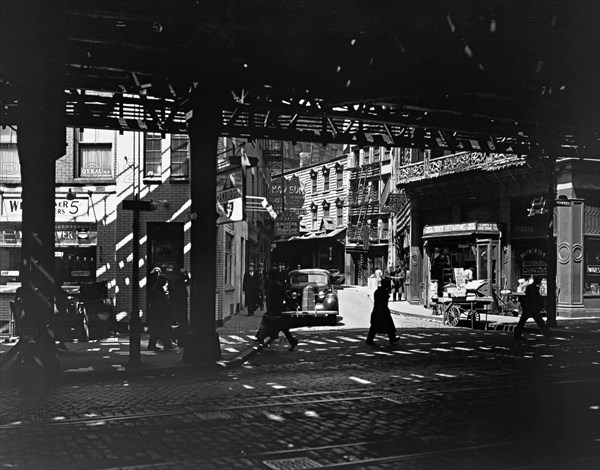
(111,355)
(565,325)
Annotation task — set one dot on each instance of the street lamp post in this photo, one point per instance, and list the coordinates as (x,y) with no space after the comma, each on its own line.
(135,326)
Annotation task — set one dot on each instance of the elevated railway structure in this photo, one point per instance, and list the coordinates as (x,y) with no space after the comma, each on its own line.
(510,77)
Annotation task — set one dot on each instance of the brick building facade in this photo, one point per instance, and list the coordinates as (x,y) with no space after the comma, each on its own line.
(94,239)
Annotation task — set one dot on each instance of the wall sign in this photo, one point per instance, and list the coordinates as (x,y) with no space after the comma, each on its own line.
(461,228)
(64,209)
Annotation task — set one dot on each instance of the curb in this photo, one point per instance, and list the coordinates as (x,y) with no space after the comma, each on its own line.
(433,318)
(507,327)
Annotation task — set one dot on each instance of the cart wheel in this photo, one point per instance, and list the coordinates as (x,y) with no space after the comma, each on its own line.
(453,315)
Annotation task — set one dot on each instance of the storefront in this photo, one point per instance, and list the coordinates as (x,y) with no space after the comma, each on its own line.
(448,247)
(75,241)
(76,247)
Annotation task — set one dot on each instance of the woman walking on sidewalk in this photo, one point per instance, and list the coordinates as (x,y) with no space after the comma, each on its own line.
(381,318)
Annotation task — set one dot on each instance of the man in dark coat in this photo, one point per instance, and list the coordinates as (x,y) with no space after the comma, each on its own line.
(381,318)
(262,285)
(532,307)
(273,320)
(250,287)
(158,314)
(178,295)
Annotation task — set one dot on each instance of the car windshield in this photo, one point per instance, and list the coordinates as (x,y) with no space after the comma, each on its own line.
(306,278)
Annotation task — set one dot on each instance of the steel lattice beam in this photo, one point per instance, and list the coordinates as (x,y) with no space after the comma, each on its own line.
(307,120)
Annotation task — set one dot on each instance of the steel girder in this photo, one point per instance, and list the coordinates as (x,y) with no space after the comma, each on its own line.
(310,120)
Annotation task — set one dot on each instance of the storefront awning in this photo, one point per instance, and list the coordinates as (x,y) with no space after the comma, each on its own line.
(461,229)
(337,233)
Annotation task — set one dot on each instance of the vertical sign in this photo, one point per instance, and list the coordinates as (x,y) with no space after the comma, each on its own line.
(230,197)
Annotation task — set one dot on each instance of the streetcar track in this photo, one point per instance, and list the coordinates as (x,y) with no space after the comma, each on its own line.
(381,393)
(262,456)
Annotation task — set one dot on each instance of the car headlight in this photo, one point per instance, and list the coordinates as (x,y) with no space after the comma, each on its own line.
(330,302)
(294,295)
(321,294)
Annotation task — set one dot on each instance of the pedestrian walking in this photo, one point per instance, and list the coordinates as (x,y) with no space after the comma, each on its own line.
(158,313)
(531,306)
(250,287)
(178,295)
(381,318)
(399,280)
(273,320)
(262,286)
(403,275)
(61,326)
(378,275)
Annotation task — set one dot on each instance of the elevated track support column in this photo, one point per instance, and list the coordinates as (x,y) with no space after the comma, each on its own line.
(202,342)
(41,140)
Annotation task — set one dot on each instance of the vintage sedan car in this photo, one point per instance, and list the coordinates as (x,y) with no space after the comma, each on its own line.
(312,298)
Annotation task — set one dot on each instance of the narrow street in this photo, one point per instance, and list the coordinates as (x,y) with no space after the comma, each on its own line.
(445,398)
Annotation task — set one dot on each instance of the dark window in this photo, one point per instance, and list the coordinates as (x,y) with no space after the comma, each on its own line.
(95,161)
(340,216)
(314,184)
(340,179)
(326,211)
(180,156)
(152,155)
(229,248)
(592,265)
(326,181)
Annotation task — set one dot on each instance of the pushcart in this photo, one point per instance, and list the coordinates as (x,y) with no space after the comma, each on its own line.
(461,308)
(469,306)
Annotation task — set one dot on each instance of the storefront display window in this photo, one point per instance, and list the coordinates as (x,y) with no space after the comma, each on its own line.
(592,265)
(75,253)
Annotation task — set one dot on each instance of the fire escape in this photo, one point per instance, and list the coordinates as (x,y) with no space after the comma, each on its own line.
(364,212)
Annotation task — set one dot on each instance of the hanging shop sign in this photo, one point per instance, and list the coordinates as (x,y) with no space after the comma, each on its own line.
(64,209)
(287,225)
(230,197)
(395,202)
(293,193)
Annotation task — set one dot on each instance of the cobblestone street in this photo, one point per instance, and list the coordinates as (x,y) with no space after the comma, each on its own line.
(442,398)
